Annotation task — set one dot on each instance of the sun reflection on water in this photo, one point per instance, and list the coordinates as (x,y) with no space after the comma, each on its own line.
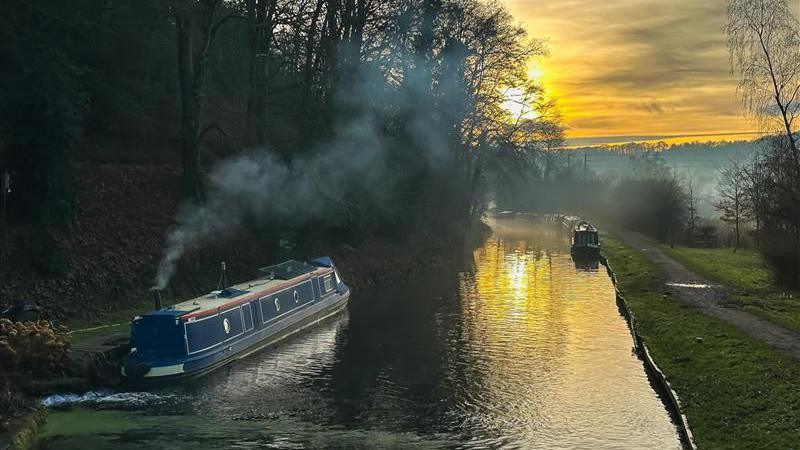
(547,332)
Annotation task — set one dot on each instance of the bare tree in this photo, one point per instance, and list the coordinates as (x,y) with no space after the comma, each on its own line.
(757,193)
(764,44)
(260,27)
(191,17)
(733,203)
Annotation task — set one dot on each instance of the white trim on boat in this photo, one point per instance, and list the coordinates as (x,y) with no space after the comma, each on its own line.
(240,315)
(269,342)
(186,332)
(252,320)
(164,370)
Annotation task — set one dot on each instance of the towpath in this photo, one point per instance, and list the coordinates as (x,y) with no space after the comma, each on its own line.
(712,298)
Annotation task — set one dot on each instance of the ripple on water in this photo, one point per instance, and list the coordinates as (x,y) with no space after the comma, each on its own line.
(108,397)
(527,350)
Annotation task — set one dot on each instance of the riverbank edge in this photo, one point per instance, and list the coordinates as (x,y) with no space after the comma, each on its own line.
(673,402)
(25,430)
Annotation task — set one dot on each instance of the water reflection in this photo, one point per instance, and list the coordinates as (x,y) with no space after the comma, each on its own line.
(586,263)
(526,350)
(560,372)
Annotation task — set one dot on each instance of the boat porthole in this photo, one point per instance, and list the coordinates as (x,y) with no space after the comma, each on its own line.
(296,297)
(277,305)
(226,325)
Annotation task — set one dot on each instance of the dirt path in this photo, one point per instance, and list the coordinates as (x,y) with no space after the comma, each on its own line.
(713,298)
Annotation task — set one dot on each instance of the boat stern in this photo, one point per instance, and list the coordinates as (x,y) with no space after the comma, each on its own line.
(158,345)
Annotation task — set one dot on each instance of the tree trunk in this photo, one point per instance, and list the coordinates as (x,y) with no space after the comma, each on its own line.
(190,104)
(797,254)
(308,75)
(260,15)
(191,77)
(332,34)
(758,231)
(308,67)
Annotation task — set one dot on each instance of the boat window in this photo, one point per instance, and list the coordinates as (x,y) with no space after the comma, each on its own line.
(226,325)
(296,297)
(277,304)
(328,280)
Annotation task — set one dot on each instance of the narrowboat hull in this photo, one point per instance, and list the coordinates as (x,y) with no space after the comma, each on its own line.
(180,343)
(585,252)
(204,365)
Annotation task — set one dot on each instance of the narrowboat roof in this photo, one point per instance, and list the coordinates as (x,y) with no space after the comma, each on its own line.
(288,269)
(277,277)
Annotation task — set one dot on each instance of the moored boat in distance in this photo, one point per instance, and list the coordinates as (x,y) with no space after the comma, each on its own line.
(199,335)
(585,240)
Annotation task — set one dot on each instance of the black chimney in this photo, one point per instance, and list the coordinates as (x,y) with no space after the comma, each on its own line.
(157,298)
(223,277)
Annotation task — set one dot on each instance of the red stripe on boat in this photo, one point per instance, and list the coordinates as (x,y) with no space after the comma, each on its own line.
(258,294)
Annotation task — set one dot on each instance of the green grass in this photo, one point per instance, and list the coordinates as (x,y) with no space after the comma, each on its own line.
(742,269)
(737,392)
(748,273)
(105,324)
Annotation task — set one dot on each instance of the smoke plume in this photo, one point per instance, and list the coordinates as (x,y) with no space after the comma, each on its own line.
(258,186)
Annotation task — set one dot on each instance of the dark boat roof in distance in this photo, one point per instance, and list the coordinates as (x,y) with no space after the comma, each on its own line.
(288,269)
(585,227)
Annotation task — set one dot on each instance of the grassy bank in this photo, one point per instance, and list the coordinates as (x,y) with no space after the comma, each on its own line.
(737,392)
(746,272)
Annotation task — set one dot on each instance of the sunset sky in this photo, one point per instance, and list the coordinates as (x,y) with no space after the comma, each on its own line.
(633,68)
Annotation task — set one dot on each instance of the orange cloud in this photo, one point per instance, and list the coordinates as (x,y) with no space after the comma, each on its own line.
(628,67)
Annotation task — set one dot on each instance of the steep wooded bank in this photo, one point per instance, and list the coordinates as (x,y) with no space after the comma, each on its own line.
(113,256)
(373,123)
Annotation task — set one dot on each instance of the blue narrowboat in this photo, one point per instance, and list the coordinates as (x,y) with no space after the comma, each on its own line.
(199,335)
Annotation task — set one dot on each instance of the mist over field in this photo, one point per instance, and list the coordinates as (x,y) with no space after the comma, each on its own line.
(697,162)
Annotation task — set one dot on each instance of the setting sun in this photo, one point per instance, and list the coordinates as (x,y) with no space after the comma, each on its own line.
(518,104)
(649,74)
(521,104)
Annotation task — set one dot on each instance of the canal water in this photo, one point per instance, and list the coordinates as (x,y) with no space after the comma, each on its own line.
(524,349)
